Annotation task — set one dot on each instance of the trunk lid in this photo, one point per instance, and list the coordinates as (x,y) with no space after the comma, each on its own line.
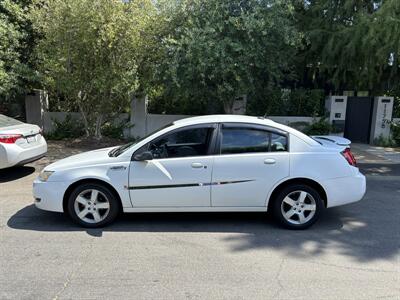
(332,141)
(23,129)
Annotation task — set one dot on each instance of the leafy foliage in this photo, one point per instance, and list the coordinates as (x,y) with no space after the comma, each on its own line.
(89,53)
(224,49)
(115,130)
(320,127)
(13,35)
(68,128)
(352,43)
(296,102)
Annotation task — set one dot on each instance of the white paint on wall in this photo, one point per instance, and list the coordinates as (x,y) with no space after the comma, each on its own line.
(336,107)
(381,117)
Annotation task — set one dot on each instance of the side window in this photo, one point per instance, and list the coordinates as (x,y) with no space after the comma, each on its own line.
(244,140)
(182,143)
(278,142)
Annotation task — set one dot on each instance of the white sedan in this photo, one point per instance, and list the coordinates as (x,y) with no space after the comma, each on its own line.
(20,143)
(206,164)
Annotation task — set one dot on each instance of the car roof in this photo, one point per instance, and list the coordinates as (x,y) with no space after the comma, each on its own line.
(243,119)
(224,118)
(231,119)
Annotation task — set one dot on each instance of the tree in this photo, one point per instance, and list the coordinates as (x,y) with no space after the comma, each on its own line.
(90,52)
(351,44)
(11,42)
(222,49)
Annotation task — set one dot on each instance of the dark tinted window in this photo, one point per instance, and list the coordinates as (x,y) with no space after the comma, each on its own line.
(189,142)
(278,142)
(244,140)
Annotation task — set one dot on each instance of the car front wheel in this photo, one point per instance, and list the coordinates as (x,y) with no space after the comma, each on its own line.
(297,206)
(92,205)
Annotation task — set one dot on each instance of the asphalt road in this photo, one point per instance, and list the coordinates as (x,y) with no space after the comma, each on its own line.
(353,252)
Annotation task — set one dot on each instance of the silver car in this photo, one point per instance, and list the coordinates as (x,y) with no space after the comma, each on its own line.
(20,143)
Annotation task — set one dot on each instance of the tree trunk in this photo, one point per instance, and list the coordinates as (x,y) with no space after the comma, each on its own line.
(83,114)
(228,107)
(99,122)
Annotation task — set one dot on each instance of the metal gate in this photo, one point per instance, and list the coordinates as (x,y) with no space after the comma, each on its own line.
(358,119)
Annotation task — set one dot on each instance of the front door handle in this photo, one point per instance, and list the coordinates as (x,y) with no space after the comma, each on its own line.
(269,161)
(197,165)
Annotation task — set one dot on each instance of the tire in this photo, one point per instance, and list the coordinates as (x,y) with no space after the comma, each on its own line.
(92,205)
(297,206)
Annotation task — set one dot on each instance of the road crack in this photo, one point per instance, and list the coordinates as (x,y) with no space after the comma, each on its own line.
(278,280)
(73,273)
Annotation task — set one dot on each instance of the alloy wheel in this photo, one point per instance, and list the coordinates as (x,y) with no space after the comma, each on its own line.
(298,207)
(92,206)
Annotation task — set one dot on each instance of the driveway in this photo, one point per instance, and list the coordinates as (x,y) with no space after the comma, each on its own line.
(351,253)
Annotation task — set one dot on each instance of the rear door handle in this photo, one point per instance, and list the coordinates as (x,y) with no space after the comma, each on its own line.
(197,165)
(269,161)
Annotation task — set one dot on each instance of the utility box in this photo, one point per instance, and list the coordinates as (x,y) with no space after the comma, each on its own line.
(381,117)
(336,112)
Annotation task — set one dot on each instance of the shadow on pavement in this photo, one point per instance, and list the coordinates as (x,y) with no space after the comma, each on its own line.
(365,231)
(380,169)
(14,173)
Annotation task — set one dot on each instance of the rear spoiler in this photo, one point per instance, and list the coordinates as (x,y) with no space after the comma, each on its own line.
(332,140)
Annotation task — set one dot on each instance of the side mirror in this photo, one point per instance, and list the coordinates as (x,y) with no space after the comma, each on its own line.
(147,155)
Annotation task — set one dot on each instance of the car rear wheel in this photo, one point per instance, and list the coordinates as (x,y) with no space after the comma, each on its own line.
(92,205)
(297,206)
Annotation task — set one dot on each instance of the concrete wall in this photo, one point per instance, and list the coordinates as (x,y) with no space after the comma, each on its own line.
(156,121)
(292,119)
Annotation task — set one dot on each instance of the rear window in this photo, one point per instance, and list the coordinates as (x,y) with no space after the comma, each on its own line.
(7,121)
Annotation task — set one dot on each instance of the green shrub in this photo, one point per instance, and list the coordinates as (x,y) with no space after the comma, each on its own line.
(305,102)
(69,128)
(284,102)
(320,127)
(395,132)
(384,142)
(301,126)
(113,130)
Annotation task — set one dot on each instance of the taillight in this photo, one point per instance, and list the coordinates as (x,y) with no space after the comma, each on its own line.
(9,138)
(349,157)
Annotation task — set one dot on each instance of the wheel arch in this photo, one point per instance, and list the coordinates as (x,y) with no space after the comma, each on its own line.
(69,190)
(300,180)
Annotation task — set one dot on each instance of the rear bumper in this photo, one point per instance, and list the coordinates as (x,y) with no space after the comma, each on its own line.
(12,155)
(49,195)
(345,190)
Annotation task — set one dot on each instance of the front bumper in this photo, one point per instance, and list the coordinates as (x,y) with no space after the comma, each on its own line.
(49,195)
(345,190)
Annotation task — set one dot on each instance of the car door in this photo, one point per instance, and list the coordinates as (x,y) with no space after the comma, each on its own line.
(179,175)
(252,160)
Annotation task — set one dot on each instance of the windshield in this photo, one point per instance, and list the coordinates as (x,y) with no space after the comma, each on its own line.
(121,149)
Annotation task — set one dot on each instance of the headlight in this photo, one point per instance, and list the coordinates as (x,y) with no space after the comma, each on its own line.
(44,175)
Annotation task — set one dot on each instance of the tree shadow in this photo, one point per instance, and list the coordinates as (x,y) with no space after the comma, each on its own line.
(14,173)
(365,231)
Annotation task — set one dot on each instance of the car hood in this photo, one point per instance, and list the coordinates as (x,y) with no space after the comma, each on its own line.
(90,158)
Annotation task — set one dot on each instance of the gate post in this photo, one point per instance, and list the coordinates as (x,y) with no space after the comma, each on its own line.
(36,104)
(336,108)
(381,116)
(139,116)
